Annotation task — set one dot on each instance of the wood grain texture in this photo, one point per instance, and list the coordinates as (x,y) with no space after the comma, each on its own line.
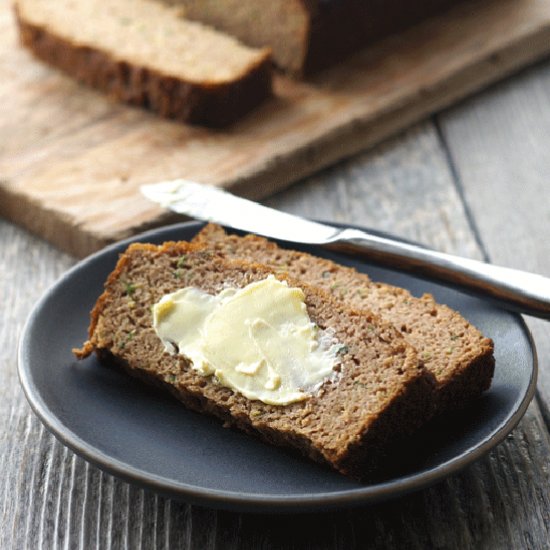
(71,161)
(498,143)
(49,498)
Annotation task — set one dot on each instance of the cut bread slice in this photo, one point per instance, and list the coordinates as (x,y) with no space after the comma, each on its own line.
(455,352)
(144,53)
(307,35)
(381,392)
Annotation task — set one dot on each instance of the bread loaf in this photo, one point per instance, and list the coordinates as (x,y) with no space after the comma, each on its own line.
(307,35)
(143,53)
(381,392)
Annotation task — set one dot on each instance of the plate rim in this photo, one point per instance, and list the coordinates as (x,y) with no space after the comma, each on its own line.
(236,500)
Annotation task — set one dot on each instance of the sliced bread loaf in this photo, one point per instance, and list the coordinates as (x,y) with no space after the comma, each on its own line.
(307,35)
(144,53)
(455,352)
(381,391)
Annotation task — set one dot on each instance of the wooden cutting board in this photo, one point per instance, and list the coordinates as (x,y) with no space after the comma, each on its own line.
(71,161)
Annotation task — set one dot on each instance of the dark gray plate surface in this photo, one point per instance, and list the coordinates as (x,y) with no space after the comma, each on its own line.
(148,438)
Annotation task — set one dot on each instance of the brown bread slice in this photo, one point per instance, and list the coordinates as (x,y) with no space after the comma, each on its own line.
(455,352)
(307,35)
(382,391)
(143,53)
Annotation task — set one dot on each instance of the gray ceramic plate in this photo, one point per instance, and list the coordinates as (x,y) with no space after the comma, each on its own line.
(148,438)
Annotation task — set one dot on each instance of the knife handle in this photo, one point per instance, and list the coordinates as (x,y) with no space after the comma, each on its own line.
(521,291)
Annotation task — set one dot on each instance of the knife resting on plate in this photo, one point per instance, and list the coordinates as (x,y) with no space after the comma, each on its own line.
(514,289)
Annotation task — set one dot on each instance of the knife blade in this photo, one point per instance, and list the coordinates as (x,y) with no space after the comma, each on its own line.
(514,289)
(209,203)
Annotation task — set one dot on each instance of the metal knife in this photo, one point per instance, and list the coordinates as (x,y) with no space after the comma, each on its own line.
(511,288)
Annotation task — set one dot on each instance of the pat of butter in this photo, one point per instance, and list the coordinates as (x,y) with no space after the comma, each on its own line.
(257,340)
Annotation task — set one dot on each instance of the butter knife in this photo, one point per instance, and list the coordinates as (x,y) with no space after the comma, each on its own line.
(514,289)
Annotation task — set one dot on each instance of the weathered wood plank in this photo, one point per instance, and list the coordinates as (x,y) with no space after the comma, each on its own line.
(71,161)
(499,144)
(53,498)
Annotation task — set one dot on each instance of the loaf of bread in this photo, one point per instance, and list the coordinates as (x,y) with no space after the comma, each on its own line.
(143,53)
(307,35)
(455,352)
(381,392)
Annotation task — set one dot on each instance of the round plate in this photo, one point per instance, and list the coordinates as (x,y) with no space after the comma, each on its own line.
(146,437)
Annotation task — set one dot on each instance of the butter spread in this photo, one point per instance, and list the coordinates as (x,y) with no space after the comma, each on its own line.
(257,340)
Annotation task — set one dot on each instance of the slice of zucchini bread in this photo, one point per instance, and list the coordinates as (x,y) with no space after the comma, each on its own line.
(454,351)
(143,53)
(381,391)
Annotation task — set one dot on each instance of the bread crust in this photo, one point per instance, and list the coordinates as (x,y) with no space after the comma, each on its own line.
(340,27)
(206,103)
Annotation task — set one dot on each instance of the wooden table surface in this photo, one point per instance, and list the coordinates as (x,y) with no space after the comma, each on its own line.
(474,180)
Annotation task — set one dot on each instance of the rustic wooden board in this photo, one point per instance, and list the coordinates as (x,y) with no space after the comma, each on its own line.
(71,161)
